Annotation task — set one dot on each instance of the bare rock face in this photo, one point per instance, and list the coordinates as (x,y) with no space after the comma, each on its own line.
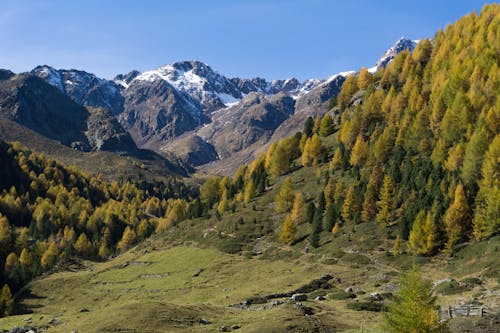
(84,88)
(31,102)
(105,133)
(252,120)
(43,108)
(191,149)
(156,112)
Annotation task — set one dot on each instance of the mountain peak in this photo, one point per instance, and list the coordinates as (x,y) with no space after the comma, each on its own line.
(401,44)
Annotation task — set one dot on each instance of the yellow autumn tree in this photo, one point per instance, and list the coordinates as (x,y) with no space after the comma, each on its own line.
(129,237)
(283,201)
(82,245)
(288,230)
(386,203)
(457,218)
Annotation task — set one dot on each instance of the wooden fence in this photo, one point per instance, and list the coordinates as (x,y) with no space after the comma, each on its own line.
(463,311)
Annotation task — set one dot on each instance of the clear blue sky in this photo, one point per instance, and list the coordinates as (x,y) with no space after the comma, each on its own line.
(267,38)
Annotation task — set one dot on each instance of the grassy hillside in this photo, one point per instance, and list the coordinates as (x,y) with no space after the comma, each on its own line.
(406,175)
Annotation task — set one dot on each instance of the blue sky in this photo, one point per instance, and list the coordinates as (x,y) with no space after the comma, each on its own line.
(267,38)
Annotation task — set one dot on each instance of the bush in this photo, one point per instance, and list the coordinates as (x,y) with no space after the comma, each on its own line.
(450,288)
(340,295)
(367,306)
(229,245)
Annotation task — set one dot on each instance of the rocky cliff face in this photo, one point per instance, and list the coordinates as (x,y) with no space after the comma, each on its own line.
(156,112)
(84,88)
(43,108)
(31,102)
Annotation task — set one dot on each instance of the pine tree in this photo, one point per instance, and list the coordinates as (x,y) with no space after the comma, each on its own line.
(414,308)
(288,230)
(385,204)
(330,216)
(283,202)
(326,126)
(316,229)
(457,218)
(308,127)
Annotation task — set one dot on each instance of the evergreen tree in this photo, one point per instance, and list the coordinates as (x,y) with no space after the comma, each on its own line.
(316,229)
(308,127)
(414,308)
(310,209)
(326,126)
(330,217)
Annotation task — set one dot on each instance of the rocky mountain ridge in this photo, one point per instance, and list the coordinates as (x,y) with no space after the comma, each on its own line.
(162,107)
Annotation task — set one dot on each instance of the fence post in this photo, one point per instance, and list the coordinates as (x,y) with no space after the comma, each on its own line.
(482,311)
(450,313)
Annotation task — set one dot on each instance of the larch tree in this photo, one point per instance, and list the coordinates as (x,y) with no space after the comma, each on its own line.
(128,239)
(414,309)
(423,235)
(288,232)
(250,191)
(284,200)
(350,205)
(457,218)
(386,203)
(6,301)
(486,220)
(298,213)
(83,245)
(359,152)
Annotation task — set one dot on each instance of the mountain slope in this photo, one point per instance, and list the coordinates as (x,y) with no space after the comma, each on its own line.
(84,88)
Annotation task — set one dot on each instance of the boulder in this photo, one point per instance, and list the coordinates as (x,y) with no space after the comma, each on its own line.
(299,297)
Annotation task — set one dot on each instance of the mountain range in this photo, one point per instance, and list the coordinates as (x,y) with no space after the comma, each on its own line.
(185,109)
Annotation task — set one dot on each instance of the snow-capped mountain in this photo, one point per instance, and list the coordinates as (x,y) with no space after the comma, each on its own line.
(198,80)
(84,88)
(401,45)
(189,106)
